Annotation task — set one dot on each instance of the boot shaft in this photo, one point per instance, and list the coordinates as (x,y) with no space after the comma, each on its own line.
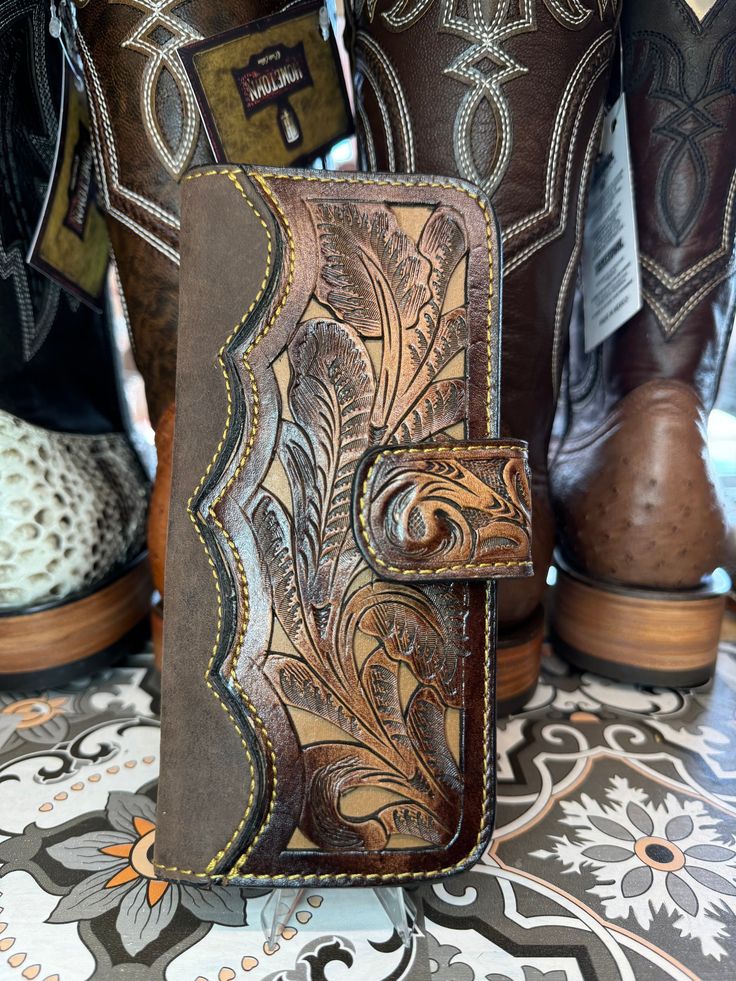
(57,366)
(680,81)
(147,133)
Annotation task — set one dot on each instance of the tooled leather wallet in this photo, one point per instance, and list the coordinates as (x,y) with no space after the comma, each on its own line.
(340,508)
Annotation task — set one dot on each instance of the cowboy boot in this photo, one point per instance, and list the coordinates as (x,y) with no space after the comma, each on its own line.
(509,96)
(641,524)
(147,133)
(74,583)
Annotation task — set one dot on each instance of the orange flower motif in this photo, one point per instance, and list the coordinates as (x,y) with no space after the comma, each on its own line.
(119,857)
(31,712)
(138,862)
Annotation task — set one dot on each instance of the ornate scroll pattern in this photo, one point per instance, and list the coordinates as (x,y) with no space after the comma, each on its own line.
(381,663)
(455,511)
(485,67)
(692,110)
(157,36)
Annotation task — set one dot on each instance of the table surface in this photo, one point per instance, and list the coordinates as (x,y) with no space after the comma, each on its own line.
(614,854)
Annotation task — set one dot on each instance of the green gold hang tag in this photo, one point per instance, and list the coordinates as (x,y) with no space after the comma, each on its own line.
(70,244)
(271,92)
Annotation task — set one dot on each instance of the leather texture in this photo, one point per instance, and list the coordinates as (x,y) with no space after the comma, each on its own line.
(348,718)
(147,132)
(460,511)
(635,494)
(72,512)
(510,97)
(73,493)
(56,365)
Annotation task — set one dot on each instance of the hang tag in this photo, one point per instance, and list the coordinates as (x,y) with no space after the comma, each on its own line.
(271,92)
(610,263)
(70,244)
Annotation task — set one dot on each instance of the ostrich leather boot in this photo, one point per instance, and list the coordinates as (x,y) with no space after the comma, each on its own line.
(147,133)
(510,97)
(74,582)
(641,525)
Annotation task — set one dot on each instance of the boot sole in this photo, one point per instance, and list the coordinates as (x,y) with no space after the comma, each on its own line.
(52,644)
(518,656)
(642,636)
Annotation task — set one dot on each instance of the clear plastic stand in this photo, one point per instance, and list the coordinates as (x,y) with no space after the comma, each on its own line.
(280,905)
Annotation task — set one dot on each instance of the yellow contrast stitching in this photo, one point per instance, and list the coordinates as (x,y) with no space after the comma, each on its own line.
(231,174)
(299,877)
(429,451)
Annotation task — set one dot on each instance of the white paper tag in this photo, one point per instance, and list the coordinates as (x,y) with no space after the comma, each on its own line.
(610,263)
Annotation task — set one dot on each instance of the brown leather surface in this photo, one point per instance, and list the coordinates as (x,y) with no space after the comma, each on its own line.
(158,509)
(637,497)
(639,402)
(509,96)
(341,742)
(150,286)
(147,133)
(438,513)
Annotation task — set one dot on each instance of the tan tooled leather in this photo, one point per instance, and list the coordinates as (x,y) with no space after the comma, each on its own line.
(509,96)
(147,133)
(460,511)
(635,494)
(347,718)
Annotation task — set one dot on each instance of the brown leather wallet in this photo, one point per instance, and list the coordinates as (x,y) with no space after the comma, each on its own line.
(340,509)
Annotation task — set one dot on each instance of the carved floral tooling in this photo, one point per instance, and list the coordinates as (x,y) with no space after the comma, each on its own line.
(381,286)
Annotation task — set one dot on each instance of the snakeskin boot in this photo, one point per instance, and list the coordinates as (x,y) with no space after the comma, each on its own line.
(147,133)
(74,583)
(509,96)
(641,525)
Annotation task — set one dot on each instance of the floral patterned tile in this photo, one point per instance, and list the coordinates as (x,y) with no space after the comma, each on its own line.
(614,855)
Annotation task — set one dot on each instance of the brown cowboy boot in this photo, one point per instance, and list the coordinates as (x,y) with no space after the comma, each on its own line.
(147,133)
(74,582)
(641,524)
(509,96)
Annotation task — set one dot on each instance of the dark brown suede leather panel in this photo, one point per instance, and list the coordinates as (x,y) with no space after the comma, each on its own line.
(439,513)
(203,767)
(640,400)
(363,759)
(523,123)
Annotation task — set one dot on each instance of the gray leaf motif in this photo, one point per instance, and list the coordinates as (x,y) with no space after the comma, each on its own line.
(636,881)
(122,807)
(217,904)
(710,853)
(88,899)
(681,893)
(679,827)
(611,828)
(711,880)
(639,818)
(607,853)
(444,963)
(139,923)
(85,852)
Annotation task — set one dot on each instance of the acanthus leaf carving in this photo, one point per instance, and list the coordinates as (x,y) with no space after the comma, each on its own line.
(384,288)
